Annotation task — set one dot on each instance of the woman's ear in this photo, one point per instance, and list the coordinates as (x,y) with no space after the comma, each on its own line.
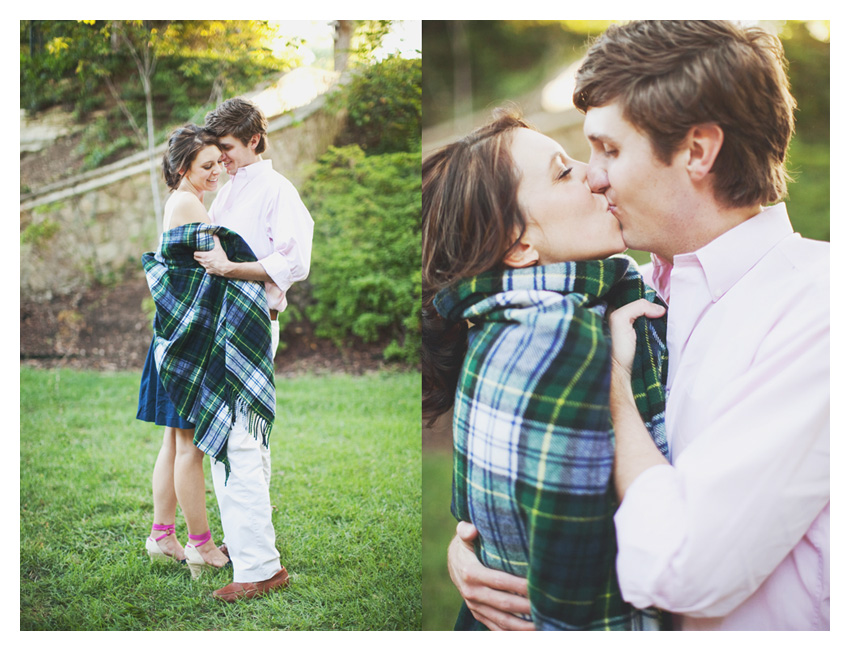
(704,143)
(523,253)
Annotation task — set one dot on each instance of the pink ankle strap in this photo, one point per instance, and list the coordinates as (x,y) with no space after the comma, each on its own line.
(201,540)
(167,528)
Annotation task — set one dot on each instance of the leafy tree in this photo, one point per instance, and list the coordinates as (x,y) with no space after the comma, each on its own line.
(355,41)
(808,68)
(384,106)
(140,38)
(64,61)
(221,54)
(82,62)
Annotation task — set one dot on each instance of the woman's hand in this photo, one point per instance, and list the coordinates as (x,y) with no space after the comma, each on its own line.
(623,337)
(494,598)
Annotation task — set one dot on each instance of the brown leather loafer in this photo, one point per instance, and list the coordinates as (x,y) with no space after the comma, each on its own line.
(235,591)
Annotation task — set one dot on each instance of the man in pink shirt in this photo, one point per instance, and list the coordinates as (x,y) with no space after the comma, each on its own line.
(689,122)
(264,208)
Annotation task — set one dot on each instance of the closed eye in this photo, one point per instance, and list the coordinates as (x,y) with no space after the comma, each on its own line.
(564,173)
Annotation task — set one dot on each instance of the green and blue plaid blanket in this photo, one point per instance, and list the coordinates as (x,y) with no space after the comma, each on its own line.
(213,338)
(534,446)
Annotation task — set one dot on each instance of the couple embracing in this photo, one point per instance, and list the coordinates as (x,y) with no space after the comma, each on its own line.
(219,281)
(634,448)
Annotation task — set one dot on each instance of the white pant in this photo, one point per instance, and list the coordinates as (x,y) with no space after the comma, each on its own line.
(244,503)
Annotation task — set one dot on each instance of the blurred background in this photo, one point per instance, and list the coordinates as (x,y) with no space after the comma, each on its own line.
(472,67)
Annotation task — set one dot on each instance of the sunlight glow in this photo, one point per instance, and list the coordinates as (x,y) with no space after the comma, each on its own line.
(558,94)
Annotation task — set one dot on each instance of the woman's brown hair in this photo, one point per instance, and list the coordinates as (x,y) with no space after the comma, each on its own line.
(184,144)
(670,75)
(470,220)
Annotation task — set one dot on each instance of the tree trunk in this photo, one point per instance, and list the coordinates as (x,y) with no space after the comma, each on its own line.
(146,64)
(344,30)
(153,167)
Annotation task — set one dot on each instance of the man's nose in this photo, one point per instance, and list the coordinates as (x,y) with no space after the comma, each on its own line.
(597,178)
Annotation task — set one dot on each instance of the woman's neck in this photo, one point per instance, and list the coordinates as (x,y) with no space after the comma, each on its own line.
(186,186)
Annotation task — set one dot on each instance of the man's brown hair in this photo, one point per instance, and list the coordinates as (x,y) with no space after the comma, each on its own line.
(671,75)
(240,118)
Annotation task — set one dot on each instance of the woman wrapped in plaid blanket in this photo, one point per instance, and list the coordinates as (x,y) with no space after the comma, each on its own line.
(520,265)
(208,360)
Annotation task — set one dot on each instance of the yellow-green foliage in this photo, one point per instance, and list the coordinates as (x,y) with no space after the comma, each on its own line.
(38,233)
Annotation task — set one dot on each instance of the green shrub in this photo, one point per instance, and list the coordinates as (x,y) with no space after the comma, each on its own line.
(808,195)
(366,268)
(384,104)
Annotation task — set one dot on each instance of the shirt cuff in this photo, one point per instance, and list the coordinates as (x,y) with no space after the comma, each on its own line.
(278,270)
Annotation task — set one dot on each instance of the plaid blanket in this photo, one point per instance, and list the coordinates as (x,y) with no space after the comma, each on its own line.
(213,338)
(534,446)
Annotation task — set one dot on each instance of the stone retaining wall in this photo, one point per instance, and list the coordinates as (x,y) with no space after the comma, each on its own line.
(92,227)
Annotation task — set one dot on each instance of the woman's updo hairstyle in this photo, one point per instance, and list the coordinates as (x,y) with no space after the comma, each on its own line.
(184,144)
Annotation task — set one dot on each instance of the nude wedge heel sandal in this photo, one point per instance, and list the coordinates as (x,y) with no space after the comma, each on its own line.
(197,564)
(154,552)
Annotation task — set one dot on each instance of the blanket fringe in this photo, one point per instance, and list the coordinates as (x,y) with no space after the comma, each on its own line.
(258,426)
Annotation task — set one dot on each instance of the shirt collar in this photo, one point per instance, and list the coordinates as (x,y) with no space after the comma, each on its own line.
(252,170)
(727,258)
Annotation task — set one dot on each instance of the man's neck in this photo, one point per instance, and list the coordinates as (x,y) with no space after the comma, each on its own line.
(707,226)
(256,160)
(253,162)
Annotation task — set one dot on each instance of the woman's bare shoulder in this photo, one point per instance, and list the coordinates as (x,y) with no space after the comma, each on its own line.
(183,208)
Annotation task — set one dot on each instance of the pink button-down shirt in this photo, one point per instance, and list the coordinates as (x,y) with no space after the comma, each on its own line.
(735,534)
(264,208)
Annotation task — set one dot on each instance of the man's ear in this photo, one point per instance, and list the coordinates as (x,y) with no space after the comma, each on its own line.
(254,141)
(523,253)
(704,142)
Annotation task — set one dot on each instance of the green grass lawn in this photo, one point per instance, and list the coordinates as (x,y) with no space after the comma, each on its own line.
(346,489)
(440,599)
